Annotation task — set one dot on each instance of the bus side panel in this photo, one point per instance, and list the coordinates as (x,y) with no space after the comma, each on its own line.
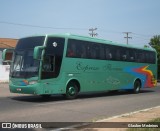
(99,75)
(95,75)
(146,73)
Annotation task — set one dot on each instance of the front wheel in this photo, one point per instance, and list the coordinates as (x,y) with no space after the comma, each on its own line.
(72,90)
(137,87)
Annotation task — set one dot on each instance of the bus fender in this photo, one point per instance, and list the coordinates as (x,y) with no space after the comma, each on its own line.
(75,81)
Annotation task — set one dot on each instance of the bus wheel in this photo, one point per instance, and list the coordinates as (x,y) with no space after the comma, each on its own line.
(137,86)
(72,90)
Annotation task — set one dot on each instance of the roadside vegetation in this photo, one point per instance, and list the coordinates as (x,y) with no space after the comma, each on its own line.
(155,43)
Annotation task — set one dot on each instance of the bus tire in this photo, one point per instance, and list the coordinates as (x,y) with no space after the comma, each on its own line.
(137,87)
(72,90)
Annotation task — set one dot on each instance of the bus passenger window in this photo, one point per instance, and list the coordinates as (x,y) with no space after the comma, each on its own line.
(131,58)
(108,54)
(102,52)
(118,55)
(124,57)
(131,55)
(83,53)
(71,50)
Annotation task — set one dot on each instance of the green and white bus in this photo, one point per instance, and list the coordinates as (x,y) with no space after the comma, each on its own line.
(70,64)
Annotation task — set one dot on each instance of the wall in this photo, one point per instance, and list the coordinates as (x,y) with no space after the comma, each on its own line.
(4,73)
(0,57)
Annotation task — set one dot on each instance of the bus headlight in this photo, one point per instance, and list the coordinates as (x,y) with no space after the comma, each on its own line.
(32,82)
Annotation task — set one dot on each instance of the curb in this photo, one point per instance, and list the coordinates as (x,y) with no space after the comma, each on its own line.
(128,114)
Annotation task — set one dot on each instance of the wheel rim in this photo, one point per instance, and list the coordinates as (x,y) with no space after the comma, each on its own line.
(71,91)
(137,87)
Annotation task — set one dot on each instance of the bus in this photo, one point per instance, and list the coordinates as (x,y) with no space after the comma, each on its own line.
(70,64)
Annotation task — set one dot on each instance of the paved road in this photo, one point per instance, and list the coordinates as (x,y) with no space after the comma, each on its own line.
(87,107)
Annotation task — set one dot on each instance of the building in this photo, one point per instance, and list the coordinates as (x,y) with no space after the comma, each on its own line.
(6,43)
(4,66)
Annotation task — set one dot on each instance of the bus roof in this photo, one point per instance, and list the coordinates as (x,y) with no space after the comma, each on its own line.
(93,39)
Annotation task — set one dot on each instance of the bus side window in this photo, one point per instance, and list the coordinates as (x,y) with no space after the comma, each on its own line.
(108,54)
(77,49)
(102,52)
(123,54)
(89,51)
(137,56)
(131,55)
(96,50)
(146,53)
(118,55)
(83,51)
(93,53)
(71,50)
(142,57)
(152,57)
(124,57)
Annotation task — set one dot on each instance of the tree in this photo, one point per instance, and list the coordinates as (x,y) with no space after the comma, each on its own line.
(155,43)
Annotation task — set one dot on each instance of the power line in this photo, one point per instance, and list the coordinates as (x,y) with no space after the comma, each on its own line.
(37,26)
(142,35)
(92,30)
(109,31)
(143,38)
(101,30)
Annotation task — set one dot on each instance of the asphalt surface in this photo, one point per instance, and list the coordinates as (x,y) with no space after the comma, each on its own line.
(86,108)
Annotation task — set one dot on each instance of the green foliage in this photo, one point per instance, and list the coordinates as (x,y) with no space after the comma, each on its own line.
(155,43)
(155,40)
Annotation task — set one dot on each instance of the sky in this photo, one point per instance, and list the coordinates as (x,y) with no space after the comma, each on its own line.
(21,18)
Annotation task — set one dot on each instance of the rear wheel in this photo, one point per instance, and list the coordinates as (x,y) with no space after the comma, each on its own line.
(137,86)
(72,90)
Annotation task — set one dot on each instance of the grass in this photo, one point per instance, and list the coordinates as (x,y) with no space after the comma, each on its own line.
(154,121)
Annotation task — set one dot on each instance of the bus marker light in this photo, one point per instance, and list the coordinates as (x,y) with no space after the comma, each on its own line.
(70,74)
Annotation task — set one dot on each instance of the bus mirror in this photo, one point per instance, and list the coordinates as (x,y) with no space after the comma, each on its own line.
(7,55)
(38,52)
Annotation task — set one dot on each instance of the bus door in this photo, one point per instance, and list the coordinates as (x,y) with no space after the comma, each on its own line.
(52,58)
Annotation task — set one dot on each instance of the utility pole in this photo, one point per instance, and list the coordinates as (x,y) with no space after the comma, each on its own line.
(92,32)
(127,37)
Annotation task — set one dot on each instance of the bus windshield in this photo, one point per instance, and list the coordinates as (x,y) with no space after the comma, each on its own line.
(24,66)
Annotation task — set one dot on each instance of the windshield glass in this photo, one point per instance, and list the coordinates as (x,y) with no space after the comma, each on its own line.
(24,66)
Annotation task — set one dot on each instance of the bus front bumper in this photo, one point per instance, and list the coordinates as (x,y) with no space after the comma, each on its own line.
(27,89)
